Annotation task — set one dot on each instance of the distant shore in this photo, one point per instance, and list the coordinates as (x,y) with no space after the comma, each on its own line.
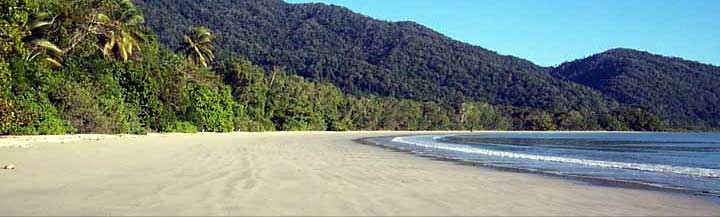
(287,173)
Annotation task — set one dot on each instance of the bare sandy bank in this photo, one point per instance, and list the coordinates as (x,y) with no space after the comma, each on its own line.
(290,173)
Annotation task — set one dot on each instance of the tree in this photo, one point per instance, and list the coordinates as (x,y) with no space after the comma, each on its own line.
(482,116)
(250,90)
(37,42)
(197,46)
(120,32)
(573,120)
(13,15)
(640,120)
(435,117)
(21,24)
(213,109)
(539,120)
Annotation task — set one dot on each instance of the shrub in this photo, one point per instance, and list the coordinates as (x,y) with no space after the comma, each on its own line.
(111,100)
(182,127)
(35,115)
(250,90)
(539,120)
(213,109)
(77,105)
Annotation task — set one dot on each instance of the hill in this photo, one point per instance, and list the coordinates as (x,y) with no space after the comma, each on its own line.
(362,55)
(684,92)
(92,66)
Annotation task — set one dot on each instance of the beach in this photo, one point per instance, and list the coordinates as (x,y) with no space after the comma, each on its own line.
(289,173)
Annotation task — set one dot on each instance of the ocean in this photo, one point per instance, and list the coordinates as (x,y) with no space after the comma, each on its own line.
(689,162)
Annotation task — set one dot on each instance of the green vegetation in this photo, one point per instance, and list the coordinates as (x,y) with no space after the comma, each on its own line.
(197,46)
(90,66)
(182,127)
(119,30)
(481,116)
(685,93)
(364,56)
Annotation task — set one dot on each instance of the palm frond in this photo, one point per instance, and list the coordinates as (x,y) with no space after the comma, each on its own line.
(123,49)
(103,18)
(135,20)
(197,46)
(138,36)
(47,45)
(122,32)
(53,62)
(208,52)
(127,4)
(109,45)
(39,24)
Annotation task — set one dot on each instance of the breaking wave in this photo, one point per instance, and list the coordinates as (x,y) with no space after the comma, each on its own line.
(687,171)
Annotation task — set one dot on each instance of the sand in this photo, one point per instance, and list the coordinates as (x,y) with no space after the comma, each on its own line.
(27,141)
(290,173)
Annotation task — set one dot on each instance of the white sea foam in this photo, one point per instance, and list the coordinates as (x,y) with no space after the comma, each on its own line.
(431,142)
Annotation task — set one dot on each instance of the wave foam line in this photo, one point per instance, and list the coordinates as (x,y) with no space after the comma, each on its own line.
(689,171)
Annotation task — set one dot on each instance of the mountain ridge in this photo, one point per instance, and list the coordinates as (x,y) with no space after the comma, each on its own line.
(682,91)
(57,80)
(364,55)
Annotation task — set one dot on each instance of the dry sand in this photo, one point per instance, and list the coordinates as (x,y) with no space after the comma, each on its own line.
(290,173)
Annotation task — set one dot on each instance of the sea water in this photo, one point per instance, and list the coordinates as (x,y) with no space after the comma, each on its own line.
(683,161)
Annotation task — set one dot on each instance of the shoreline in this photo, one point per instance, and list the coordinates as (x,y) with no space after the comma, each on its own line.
(291,174)
(582,179)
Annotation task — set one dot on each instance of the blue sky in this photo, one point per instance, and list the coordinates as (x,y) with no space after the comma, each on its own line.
(549,32)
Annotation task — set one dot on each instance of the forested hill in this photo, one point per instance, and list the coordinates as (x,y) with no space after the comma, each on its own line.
(684,92)
(362,55)
(93,66)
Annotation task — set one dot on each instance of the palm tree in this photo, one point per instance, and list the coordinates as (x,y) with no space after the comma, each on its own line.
(197,46)
(121,34)
(39,44)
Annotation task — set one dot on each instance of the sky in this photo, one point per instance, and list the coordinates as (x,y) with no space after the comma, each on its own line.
(550,32)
